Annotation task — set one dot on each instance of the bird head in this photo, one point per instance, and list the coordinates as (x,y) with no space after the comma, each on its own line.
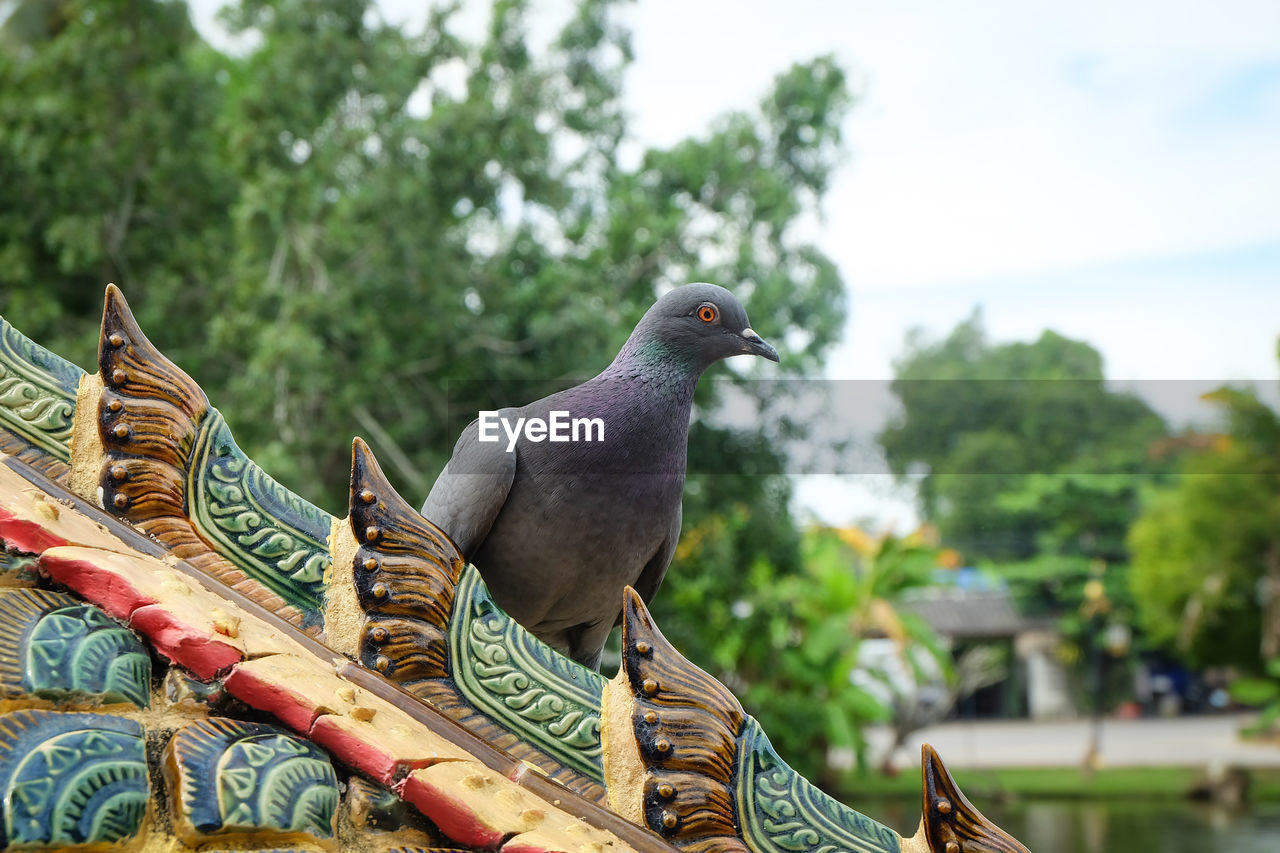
(701,323)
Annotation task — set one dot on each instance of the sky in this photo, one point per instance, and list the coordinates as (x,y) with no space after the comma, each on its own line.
(1111,170)
(1107,170)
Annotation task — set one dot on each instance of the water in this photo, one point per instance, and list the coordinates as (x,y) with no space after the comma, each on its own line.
(1093,827)
(1124,826)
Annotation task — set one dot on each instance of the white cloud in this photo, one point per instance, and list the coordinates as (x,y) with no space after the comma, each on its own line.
(996,138)
(999,146)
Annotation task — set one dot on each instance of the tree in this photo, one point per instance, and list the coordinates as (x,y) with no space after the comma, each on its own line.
(350,202)
(493,240)
(109,170)
(1206,570)
(1026,450)
(1034,468)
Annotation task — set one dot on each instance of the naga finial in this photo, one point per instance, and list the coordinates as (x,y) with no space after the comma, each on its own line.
(950,823)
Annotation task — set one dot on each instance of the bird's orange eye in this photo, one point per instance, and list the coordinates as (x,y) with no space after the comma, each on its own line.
(707,313)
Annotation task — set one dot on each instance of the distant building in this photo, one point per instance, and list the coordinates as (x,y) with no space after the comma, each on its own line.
(972,611)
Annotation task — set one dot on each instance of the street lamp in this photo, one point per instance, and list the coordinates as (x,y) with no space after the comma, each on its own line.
(1095,608)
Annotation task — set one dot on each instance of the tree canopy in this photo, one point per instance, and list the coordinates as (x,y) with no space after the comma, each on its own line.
(1023,447)
(326,230)
(1206,550)
(1032,468)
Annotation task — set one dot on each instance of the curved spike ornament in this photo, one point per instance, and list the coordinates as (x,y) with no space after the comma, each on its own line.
(403,575)
(700,772)
(678,775)
(405,604)
(169,465)
(951,824)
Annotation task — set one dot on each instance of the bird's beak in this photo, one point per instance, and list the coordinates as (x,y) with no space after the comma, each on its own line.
(756,345)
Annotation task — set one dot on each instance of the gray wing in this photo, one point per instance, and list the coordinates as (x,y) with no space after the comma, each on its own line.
(469,493)
(656,569)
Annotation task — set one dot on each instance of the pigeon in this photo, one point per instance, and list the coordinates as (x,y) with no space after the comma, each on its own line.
(557,528)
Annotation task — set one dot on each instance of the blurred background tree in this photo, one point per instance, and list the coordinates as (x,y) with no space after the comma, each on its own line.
(111,171)
(1207,548)
(1024,449)
(1207,553)
(350,228)
(1032,468)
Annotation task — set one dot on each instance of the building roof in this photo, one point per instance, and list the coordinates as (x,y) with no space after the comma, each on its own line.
(970,614)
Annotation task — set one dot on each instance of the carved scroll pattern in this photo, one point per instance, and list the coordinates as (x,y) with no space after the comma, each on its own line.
(37,402)
(781,812)
(511,675)
(274,536)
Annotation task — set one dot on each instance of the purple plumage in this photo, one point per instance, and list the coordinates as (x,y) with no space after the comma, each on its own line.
(558,528)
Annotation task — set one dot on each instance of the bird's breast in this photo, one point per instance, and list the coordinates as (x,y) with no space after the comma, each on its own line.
(579,537)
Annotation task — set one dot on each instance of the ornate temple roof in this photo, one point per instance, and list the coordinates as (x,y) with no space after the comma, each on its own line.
(194,657)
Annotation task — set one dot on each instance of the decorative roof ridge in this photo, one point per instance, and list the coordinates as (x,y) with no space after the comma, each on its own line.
(126,573)
(275,598)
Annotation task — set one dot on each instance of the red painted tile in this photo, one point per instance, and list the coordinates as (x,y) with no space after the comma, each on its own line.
(186,645)
(26,535)
(288,706)
(105,588)
(453,816)
(341,736)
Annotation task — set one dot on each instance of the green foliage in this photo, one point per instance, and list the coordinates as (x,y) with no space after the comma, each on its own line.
(788,643)
(1034,469)
(1206,570)
(1257,691)
(1026,450)
(1262,692)
(329,230)
(109,169)
(1086,597)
